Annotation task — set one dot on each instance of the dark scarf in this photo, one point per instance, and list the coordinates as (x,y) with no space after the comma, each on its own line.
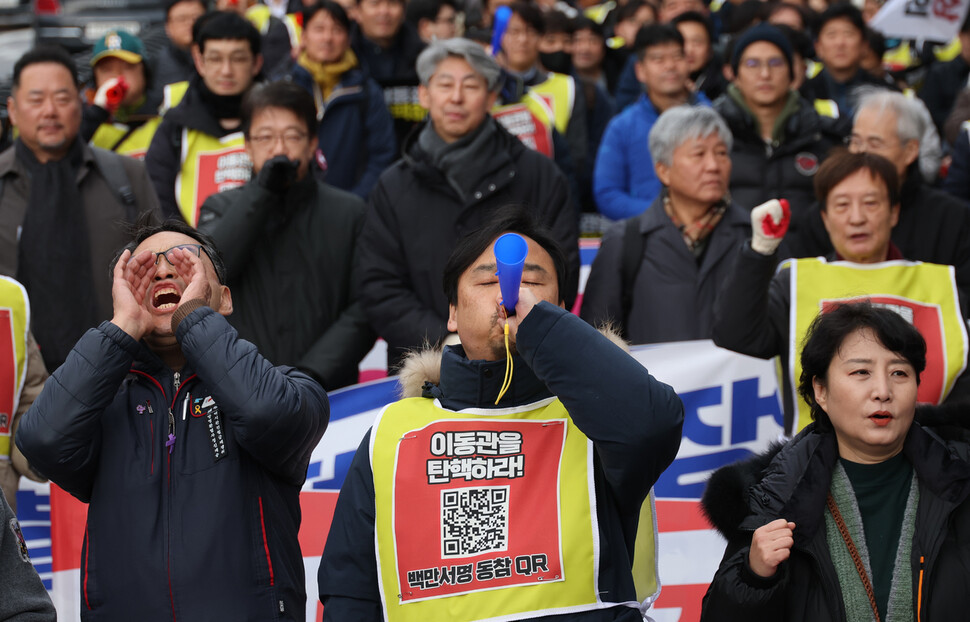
(54,256)
(467,161)
(221,106)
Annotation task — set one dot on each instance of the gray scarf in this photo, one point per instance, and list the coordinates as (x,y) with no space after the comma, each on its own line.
(468,160)
(857,607)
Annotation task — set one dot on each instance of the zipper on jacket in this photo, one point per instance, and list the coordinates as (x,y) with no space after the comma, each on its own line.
(177,382)
(151,427)
(919,591)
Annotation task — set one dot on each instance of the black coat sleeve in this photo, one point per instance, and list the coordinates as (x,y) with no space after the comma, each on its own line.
(751,311)
(957,180)
(347,579)
(61,433)
(634,420)
(603,298)
(737,594)
(279,414)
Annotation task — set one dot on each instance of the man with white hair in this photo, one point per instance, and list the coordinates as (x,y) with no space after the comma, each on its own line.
(933,225)
(456,170)
(656,275)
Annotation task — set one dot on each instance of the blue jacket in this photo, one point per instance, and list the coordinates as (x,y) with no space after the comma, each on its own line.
(206,530)
(624,182)
(356,132)
(558,354)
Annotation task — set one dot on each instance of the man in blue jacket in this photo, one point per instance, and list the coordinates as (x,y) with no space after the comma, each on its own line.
(495,492)
(188,445)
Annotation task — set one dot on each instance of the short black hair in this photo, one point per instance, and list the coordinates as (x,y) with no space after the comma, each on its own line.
(225,25)
(171,3)
(656,34)
(841,10)
(331,8)
(842,163)
(418,10)
(147,227)
(530,14)
(281,94)
(45,54)
(512,218)
(877,42)
(696,18)
(558,22)
(828,332)
(584,23)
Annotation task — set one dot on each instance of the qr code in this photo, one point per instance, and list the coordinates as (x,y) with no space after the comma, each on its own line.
(474,520)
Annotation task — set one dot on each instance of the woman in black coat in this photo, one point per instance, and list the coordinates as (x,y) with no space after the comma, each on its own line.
(863,515)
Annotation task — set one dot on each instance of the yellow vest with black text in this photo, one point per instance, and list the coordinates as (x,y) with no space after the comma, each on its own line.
(923,293)
(559,91)
(118,137)
(485,513)
(209,165)
(14,319)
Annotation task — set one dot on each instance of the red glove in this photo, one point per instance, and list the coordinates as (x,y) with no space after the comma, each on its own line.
(769,222)
(111,93)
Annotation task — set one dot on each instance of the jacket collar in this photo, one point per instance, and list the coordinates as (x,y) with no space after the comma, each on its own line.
(9,165)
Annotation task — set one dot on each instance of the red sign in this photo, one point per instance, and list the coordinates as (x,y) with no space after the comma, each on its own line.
(520,122)
(218,171)
(476,506)
(9,378)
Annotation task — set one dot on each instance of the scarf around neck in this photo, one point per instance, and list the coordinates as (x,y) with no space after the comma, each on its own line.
(327,75)
(54,255)
(857,608)
(465,162)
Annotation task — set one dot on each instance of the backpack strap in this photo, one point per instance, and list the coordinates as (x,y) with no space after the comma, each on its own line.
(632,258)
(115,175)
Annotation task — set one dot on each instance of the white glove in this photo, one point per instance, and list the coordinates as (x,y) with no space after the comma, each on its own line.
(110,94)
(769,222)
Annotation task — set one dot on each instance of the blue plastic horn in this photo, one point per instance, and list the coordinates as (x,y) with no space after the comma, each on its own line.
(510,252)
(501,22)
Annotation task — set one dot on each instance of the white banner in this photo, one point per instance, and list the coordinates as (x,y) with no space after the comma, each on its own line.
(933,20)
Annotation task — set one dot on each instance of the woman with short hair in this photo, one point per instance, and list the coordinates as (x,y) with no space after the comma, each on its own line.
(862,516)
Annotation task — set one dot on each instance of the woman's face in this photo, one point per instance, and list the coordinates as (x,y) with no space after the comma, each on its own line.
(325,39)
(870,396)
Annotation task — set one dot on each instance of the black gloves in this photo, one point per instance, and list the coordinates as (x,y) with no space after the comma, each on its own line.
(278,174)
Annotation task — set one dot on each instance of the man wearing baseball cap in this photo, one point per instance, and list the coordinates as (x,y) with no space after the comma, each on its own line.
(120,116)
(779,139)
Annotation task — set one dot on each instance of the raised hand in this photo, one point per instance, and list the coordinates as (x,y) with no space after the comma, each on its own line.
(192,271)
(770,545)
(130,282)
(769,222)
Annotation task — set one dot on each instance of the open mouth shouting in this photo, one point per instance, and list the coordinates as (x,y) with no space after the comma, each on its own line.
(166,297)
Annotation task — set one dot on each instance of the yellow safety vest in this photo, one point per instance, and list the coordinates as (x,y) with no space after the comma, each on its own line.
(172,94)
(14,318)
(484,513)
(900,57)
(923,293)
(949,51)
(559,91)
(813,68)
(119,138)
(529,120)
(209,165)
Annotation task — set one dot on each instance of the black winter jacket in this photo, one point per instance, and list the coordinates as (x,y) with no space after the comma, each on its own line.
(558,355)
(933,227)
(203,529)
(290,260)
(792,482)
(762,171)
(415,218)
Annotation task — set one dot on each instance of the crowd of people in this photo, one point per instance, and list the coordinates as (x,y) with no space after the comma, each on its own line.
(246,213)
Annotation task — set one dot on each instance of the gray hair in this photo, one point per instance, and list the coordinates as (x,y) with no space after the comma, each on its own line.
(682,123)
(473,53)
(910,122)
